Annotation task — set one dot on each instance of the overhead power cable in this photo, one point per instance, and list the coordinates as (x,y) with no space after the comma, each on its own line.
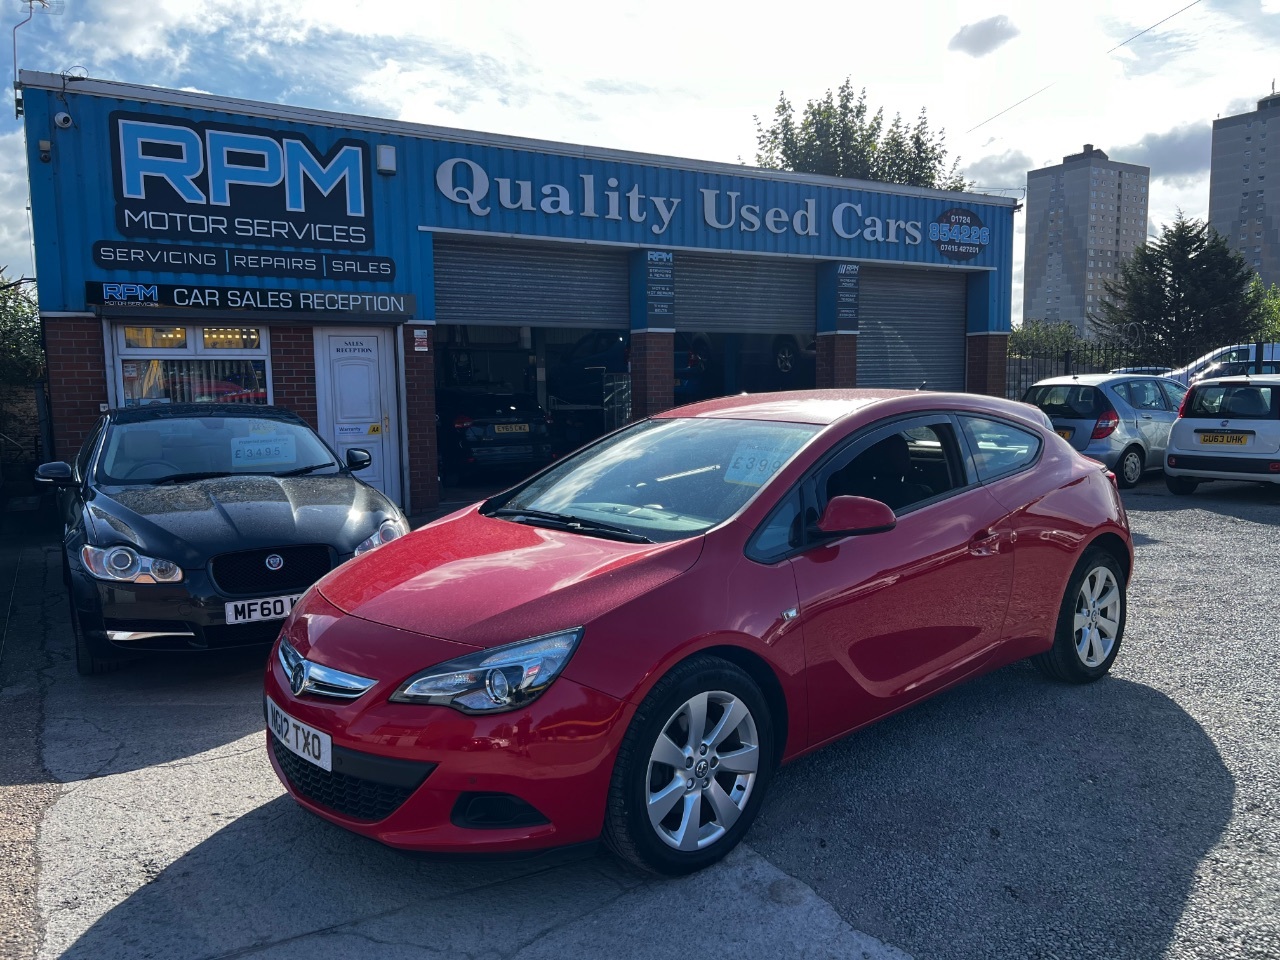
(1112,50)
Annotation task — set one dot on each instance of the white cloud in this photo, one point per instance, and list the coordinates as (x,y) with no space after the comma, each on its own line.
(621,77)
(15,235)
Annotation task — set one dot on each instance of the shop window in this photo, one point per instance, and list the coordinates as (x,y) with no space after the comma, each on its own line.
(156,338)
(231,338)
(157,364)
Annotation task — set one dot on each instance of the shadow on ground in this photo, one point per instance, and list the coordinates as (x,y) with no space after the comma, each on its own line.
(1010,817)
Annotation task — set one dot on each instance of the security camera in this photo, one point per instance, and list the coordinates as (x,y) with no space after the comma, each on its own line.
(63,120)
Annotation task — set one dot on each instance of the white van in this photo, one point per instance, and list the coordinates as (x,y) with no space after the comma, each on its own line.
(1229,361)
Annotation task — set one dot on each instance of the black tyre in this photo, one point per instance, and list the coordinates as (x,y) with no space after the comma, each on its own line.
(1090,621)
(1129,468)
(1180,486)
(87,665)
(692,770)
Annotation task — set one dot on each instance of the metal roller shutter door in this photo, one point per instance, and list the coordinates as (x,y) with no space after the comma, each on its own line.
(537,285)
(911,327)
(745,295)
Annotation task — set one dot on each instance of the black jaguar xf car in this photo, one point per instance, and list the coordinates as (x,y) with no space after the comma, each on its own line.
(198,526)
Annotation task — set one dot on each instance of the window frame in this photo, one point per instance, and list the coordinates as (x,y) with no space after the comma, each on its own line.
(88,450)
(970,454)
(194,350)
(815,478)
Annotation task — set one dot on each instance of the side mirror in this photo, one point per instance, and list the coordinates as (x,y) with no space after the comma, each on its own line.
(856,515)
(358,459)
(57,473)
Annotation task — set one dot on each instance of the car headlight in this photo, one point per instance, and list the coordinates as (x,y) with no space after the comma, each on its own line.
(388,530)
(126,565)
(502,678)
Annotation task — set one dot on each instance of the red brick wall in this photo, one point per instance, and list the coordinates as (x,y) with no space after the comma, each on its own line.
(985,362)
(77,371)
(652,373)
(420,401)
(837,360)
(293,371)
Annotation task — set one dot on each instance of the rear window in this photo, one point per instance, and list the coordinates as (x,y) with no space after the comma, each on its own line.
(1233,402)
(1070,400)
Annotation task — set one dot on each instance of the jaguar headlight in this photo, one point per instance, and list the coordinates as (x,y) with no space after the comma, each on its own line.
(387,531)
(494,680)
(125,565)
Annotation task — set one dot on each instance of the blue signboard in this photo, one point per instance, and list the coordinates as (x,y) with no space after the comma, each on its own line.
(165,191)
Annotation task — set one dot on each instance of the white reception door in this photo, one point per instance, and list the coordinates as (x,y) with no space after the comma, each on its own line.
(356,400)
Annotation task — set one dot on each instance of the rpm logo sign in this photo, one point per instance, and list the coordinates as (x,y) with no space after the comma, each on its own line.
(959,234)
(192,181)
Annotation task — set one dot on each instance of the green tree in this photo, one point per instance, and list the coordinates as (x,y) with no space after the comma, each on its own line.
(1180,296)
(21,355)
(838,136)
(1269,298)
(1043,338)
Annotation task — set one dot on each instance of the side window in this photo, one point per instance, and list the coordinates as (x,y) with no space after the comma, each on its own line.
(1146,395)
(1125,394)
(780,534)
(1174,392)
(901,468)
(999,448)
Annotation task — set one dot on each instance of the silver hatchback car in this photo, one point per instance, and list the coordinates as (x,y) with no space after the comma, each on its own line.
(1121,419)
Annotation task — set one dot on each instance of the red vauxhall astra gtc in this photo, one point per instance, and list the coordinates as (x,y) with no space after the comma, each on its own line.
(628,644)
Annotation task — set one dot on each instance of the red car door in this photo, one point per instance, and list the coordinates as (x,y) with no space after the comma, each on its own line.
(891,617)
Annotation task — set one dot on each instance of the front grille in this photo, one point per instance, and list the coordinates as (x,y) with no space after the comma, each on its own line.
(246,572)
(354,797)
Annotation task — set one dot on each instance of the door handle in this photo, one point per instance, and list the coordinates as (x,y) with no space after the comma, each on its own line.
(986,543)
(1146,416)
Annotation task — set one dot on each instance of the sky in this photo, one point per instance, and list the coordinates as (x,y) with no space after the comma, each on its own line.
(689,80)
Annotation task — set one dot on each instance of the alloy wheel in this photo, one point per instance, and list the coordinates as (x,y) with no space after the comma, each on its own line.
(702,770)
(1131,467)
(1097,616)
(785,357)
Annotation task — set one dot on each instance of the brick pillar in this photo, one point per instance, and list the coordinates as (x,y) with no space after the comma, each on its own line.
(837,360)
(77,373)
(420,401)
(986,363)
(293,371)
(653,373)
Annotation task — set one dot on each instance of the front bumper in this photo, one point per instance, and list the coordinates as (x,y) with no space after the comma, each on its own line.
(432,779)
(190,615)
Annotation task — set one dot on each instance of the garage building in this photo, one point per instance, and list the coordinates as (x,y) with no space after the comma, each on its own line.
(191,246)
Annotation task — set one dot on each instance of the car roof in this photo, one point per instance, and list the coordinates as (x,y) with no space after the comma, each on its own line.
(825,407)
(1241,380)
(1096,379)
(177,411)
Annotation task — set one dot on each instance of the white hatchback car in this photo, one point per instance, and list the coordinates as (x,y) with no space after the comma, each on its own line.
(1227,429)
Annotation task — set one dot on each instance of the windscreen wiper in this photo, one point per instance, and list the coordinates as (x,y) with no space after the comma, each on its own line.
(567,521)
(309,468)
(188,477)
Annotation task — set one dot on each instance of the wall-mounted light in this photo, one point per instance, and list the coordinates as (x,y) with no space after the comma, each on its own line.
(46,151)
(386,158)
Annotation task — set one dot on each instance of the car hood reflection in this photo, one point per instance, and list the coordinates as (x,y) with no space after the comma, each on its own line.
(186,522)
(485,581)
